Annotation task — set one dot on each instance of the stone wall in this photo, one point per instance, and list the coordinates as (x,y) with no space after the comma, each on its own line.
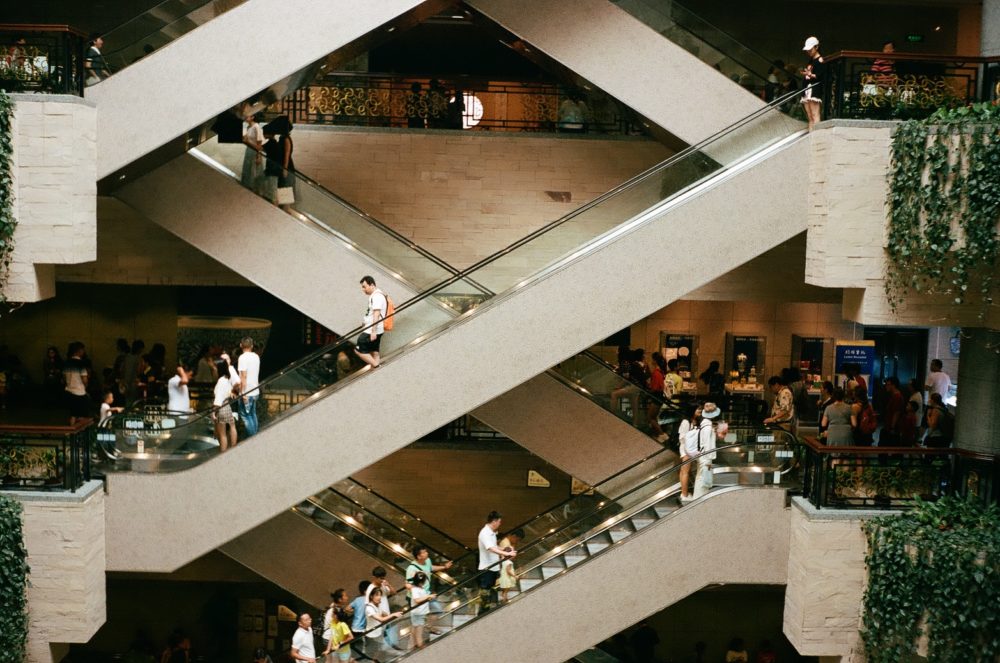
(847,230)
(464,196)
(55,148)
(133,250)
(826,581)
(64,535)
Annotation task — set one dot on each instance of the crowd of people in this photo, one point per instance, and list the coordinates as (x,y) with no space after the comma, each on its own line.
(910,416)
(640,646)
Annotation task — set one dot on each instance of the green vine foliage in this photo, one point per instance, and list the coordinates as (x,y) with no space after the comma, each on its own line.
(945,206)
(13,581)
(935,572)
(7,221)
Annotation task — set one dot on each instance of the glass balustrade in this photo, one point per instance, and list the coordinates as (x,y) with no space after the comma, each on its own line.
(138,37)
(709,44)
(608,522)
(530,259)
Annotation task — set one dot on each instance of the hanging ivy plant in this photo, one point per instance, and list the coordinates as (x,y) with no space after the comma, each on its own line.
(944,182)
(7,221)
(934,572)
(13,580)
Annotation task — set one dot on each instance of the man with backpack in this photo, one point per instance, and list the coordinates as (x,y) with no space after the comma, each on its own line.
(374,322)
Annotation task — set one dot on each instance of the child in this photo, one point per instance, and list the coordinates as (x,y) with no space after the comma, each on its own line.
(340,636)
(108,409)
(508,579)
(418,614)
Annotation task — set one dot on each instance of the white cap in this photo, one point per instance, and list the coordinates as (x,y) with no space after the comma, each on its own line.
(810,44)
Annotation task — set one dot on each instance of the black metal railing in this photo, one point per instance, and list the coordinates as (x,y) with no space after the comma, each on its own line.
(45,457)
(853,477)
(41,58)
(383,100)
(901,86)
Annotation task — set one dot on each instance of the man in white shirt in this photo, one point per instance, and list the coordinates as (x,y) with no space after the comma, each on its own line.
(178,399)
(938,382)
(371,338)
(303,648)
(490,555)
(248,365)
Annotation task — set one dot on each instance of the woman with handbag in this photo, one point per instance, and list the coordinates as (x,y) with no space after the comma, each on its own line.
(280,168)
(706,449)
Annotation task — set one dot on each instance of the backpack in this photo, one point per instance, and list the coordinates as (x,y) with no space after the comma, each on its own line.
(390,311)
(869,421)
(946,425)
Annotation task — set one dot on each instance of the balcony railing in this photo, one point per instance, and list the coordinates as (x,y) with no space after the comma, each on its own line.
(41,58)
(841,477)
(905,86)
(45,457)
(379,100)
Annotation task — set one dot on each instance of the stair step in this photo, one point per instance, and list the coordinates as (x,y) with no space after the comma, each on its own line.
(572,560)
(663,510)
(549,571)
(596,546)
(524,584)
(619,533)
(641,521)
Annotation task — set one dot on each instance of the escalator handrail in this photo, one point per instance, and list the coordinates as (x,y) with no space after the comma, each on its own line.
(431,291)
(381,497)
(647,392)
(473,580)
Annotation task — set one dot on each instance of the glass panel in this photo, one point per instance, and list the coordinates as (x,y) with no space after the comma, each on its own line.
(442,546)
(140,36)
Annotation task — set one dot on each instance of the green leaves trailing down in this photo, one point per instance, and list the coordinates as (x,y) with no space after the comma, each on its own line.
(7,221)
(13,581)
(934,569)
(944,184)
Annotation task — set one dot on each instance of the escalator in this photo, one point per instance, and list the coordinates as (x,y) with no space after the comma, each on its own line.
(544,312)
(572,588)
(332,242)
(340,533)
(202,62)
(657,77)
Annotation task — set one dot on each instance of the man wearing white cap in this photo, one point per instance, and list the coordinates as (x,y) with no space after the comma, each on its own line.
(706,447)
(813,79)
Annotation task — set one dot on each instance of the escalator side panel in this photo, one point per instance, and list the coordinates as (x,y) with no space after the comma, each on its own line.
(628,60)
(509,340)
(566,429)
(303,558)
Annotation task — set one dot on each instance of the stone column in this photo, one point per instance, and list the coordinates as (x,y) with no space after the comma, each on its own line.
(977,426)
(990,31)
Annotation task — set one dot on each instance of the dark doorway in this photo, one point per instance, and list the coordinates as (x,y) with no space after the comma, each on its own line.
(900,352)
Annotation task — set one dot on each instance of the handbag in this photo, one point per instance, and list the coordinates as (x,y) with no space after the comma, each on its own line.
(706,476)
(286,195)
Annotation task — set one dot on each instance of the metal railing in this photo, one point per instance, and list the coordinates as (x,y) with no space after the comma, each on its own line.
(45,457)
(384,100)
(852,477)
(905,86)
(41,58)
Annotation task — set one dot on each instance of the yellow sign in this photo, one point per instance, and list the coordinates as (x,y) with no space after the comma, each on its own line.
(536,480)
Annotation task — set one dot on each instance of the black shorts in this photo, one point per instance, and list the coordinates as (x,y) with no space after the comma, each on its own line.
(79,406)
(367,345)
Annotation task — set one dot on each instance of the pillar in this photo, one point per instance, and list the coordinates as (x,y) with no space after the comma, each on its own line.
(977,427)
(990,30)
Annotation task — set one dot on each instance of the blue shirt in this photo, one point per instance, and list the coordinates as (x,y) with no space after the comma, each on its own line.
(359,623)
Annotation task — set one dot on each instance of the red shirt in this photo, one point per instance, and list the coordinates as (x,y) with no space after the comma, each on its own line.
(656,380)
(894,411)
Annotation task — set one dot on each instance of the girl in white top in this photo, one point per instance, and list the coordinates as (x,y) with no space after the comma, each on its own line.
(225,423)
(420,598)
(375,613)
(691,417)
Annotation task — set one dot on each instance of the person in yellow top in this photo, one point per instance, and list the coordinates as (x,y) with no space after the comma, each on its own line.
(340,636)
